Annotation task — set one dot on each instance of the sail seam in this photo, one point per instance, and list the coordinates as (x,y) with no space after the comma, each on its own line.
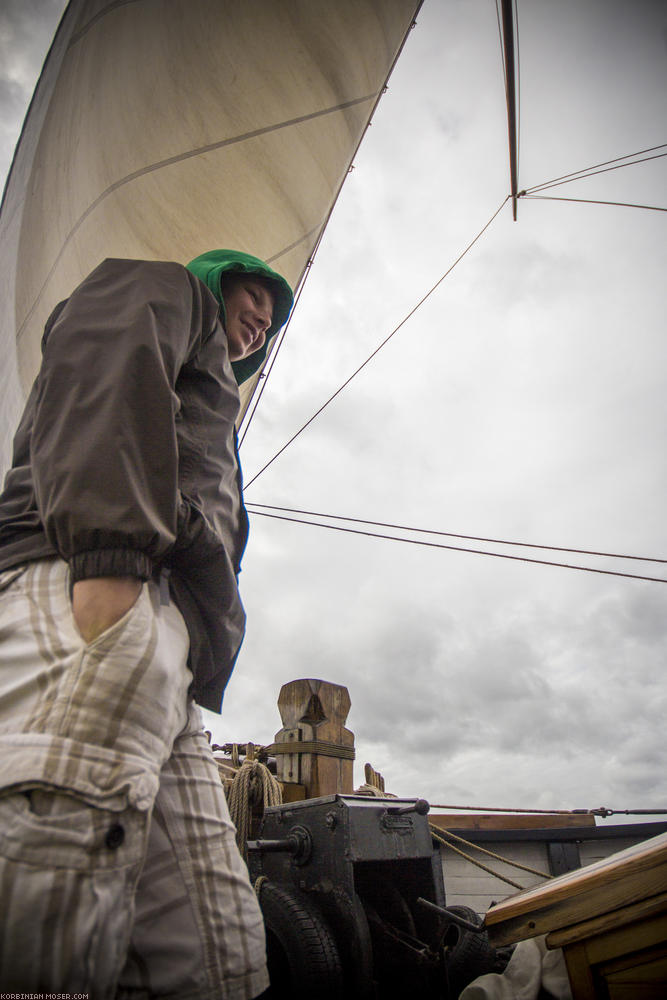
(170,161)
(292,246)
(98,17)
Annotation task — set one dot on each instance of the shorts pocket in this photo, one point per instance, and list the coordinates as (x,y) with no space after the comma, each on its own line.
(51,828)
(113,631)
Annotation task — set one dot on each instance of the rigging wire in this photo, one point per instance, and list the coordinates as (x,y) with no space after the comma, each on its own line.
(526,193)
(323,227)
(593,201)
(602,811)
(451,534)
(380,346)
(591,173)
(457,548)
(281,340)
(578,175)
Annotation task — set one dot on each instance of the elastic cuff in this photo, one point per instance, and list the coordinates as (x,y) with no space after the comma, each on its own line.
(110,562)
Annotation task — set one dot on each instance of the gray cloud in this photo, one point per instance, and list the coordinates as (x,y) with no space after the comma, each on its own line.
(26,29)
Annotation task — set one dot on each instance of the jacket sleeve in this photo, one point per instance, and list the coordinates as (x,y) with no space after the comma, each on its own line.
(104,451)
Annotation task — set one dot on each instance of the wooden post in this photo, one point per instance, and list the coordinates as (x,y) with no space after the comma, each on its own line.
(313,713)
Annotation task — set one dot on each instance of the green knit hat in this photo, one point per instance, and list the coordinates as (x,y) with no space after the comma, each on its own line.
(210,267)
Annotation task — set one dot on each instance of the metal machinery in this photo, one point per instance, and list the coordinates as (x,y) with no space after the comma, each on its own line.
(354,904)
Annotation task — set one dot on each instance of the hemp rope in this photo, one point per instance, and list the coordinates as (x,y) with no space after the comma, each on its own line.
(322,747)
(498,857)
(478,864)
(252,784)
(259,882)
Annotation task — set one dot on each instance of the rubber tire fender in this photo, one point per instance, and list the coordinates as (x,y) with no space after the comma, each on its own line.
(471,954)
(303,957)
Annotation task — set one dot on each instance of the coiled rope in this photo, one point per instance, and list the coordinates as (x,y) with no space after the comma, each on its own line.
(253,784)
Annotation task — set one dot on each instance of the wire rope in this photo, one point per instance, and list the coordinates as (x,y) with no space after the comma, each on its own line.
(451,534)
(325,223)
(577,175)
(281,340)
(601,811)
(380,346)
(458,548)
(593,201)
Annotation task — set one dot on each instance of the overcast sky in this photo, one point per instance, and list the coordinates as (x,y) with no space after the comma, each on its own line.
(524,401)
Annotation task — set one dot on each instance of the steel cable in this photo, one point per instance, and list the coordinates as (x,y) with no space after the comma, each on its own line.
(380,346)
(451,534)
(457,548)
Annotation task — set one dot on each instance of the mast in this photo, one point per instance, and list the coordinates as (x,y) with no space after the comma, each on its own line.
(510,90)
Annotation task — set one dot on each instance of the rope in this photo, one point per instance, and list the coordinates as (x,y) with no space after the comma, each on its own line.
(459,548)
(380,346)
(492,854)
(601,811)
(253,784)
(592,201)
(283,333)
(503,878)
(451,534)
(259,882)
(320,747)
(578,175)
(383,90)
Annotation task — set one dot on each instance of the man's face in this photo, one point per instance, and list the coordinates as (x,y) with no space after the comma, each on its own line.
(249,312)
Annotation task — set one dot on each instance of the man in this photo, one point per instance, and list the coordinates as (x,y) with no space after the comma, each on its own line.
(121,533)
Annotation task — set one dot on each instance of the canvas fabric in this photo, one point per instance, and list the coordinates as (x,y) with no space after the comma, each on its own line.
(119,871)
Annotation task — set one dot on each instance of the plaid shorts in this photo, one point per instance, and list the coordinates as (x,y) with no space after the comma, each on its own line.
(119,871)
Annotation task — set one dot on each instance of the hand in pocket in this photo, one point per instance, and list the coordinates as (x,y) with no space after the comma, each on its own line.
(99,602)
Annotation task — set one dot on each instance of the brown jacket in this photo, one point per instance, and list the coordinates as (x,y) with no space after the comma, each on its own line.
(125,458)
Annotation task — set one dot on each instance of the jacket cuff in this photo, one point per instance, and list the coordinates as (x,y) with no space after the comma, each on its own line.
(110,562)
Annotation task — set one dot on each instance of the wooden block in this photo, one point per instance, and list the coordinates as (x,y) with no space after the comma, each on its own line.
(292,792)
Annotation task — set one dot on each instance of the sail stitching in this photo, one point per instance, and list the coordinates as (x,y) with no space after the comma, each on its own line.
(98,17)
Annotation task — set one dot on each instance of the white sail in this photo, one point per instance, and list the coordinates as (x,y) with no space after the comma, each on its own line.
(162,129)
